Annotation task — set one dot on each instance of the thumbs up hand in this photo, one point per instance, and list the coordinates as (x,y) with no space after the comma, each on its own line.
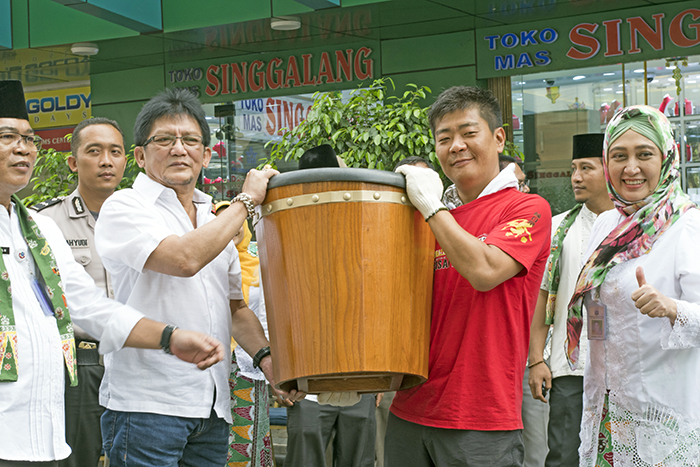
(651,302)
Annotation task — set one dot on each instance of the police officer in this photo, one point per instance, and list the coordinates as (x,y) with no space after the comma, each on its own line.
(99,159)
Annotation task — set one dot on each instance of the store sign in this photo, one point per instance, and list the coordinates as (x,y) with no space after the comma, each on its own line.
(276,74)
(606,38)
(55,138)
(58,108)
(267,117)
(33,66)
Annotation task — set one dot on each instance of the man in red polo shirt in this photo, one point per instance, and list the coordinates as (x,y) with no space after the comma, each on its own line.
(491,250)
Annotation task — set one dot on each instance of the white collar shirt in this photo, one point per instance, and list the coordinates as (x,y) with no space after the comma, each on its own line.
(574,245)
(131,225)
(32,424)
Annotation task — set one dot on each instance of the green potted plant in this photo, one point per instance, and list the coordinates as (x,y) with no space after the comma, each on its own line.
(372,129)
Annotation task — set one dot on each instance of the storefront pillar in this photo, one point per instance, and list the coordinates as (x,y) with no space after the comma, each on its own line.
(501,88)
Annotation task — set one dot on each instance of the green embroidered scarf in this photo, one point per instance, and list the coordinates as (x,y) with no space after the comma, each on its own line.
(553,272)
(46,264)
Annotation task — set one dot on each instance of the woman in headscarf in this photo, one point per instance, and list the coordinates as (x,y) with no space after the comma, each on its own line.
(250,444)
(641,288)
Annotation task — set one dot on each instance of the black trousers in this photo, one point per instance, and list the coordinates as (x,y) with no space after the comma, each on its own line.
(309,429)
(27,464)
(83,412)
(565,411)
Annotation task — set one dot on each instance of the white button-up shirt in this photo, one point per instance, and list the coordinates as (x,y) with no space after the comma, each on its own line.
(131,225)
(32,425)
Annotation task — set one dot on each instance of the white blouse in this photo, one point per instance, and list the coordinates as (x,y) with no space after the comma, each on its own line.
(651,369)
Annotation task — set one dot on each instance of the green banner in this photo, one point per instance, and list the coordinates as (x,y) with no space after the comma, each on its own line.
(647,33)
(277,74)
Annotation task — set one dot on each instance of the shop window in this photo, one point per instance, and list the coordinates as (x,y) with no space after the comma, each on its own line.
(549,108)
(241,131)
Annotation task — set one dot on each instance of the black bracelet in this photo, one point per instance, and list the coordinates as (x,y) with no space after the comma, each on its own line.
(262,353)
(165,338)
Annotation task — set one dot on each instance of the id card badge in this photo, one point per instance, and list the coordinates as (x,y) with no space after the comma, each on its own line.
(597,317)
(41,297)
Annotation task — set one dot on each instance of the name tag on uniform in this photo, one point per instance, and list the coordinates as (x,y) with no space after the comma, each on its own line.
(597,317)
(77,242)
(5,250)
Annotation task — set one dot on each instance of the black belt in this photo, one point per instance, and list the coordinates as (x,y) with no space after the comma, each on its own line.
(86,352)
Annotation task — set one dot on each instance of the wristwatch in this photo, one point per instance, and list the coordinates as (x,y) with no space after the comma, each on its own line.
(165,338)
(259,355)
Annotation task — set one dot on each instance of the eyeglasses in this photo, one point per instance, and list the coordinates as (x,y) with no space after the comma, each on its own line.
(11,138)
(167,141)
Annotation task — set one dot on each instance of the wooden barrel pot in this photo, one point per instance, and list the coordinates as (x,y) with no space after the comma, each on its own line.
(347,268)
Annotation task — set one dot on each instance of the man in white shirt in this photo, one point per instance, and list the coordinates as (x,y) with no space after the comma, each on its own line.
(43,288)
(570,233)
(174,259)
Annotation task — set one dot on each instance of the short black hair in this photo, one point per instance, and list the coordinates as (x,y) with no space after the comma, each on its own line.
(170,103)
(413,160)
(466,97)
(75,139)
(504,160)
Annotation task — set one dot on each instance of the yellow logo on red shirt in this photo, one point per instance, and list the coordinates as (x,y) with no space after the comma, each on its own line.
(519,228)
(441,261)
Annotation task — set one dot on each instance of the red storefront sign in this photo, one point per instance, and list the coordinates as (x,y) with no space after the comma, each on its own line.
(56,138)
(345,65)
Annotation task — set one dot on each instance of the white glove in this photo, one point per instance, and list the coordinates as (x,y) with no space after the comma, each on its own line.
(424,189)
(339,399)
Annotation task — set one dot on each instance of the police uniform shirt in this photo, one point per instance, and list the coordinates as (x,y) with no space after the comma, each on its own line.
(78,226)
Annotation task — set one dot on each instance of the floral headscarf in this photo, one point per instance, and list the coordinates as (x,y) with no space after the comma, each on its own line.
(646,220)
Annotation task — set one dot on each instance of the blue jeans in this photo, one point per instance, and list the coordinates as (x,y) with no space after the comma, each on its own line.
(135,439)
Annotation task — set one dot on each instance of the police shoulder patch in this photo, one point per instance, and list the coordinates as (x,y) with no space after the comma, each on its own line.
(45,204)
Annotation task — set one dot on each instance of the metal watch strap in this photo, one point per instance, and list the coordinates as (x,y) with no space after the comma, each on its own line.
(259,355)
(247,201)
(165,338)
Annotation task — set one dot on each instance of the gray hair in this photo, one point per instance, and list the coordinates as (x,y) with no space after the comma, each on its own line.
(170,103)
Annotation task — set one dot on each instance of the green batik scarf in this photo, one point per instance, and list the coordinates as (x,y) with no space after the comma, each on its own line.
(646,220)
(46,263)
(553,272)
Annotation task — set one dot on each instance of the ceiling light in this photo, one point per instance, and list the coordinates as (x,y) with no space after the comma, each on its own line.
(285,23)
(84,48)
(519,99)
(608,74)
(576,78)
(607,89)
(640,70)
(691,81)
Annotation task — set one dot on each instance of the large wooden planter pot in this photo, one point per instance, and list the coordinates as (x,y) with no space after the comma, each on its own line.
(347,265)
